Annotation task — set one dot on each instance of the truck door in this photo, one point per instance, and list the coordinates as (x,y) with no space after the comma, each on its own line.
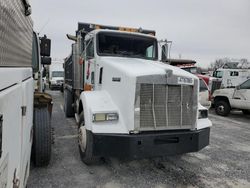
(242,95)
(26,128)
(233,79)
(11,125)
(89,63)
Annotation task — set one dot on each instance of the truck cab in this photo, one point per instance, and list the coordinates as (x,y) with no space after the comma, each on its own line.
(56,75)
(232,98)
(231,77)
(132,105)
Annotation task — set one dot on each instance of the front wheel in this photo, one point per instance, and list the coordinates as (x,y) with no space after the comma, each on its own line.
(68,101)
(222,108)
(41,148)
(85,144)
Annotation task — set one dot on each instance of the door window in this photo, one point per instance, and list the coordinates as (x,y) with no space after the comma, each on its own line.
(234,73)
(218,74)
(90,49)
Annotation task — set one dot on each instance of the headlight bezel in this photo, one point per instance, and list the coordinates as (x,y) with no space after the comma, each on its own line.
(105,117)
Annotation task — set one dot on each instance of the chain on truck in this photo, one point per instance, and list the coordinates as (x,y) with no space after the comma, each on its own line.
(127,103)
(25,129)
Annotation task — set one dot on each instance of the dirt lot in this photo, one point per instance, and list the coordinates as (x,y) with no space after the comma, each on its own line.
(224,163)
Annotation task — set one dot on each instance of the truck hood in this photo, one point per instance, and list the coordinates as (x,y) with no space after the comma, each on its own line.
(141,67)
(224,92)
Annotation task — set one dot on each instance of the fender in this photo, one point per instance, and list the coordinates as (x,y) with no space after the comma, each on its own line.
(101,102)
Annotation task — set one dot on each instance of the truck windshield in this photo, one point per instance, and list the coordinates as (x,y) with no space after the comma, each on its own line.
(57,74)
(203,86)
(192,70)
(218,74)
(126,45)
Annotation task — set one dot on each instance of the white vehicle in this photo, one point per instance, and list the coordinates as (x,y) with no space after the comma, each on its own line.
(232,98)
(56,75)
(131,105)
(18,135)
(231,77)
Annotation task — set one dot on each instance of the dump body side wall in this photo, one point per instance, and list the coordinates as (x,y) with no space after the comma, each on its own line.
(15,35)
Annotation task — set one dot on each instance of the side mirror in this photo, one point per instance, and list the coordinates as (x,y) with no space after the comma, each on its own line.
(46,60)
(164,53)
(45,46)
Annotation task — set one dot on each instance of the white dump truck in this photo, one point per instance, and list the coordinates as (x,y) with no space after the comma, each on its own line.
(126,102)
(21,132)
(56,75)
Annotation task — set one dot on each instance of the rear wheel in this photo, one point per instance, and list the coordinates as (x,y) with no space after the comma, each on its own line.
(222,108)
(246,112)
(41,148)
(68,101)
(85,144)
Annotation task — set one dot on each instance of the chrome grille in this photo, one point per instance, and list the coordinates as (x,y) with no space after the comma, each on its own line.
(166,107)
(174,106)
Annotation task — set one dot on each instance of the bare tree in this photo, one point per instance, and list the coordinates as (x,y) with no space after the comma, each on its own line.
(229,63)
(219,63)
(244,63)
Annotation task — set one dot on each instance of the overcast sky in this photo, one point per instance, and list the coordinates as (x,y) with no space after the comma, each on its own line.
(203,30)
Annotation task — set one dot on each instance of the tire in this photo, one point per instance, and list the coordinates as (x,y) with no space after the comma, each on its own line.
(222,108)
(86,153)
(246,112)
(61,89)
(42,138)
(68,101)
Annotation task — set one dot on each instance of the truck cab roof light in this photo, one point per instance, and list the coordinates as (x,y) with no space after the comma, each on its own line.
(88,27)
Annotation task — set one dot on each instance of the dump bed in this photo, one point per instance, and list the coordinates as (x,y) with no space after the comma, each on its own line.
(15,35)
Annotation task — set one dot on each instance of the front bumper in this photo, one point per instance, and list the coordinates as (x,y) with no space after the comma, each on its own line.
(56,86)
(154,144)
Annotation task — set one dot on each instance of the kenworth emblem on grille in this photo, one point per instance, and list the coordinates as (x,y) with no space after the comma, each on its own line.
(185,80)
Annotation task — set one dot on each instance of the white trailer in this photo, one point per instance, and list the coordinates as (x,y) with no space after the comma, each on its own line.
(17,132)
(126,102)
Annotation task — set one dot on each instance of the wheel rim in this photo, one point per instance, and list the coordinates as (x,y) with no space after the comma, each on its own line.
(221,109)
(82,138)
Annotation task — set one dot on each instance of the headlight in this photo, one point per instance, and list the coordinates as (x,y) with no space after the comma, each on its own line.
(203,114)
(98,117)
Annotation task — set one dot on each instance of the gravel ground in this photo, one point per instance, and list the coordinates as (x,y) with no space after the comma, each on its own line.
(224,163)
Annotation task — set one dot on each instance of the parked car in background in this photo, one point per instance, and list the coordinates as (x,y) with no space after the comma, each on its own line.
(232,98)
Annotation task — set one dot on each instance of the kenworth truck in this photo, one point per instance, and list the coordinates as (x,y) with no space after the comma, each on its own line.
(20,132)
(126,102)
